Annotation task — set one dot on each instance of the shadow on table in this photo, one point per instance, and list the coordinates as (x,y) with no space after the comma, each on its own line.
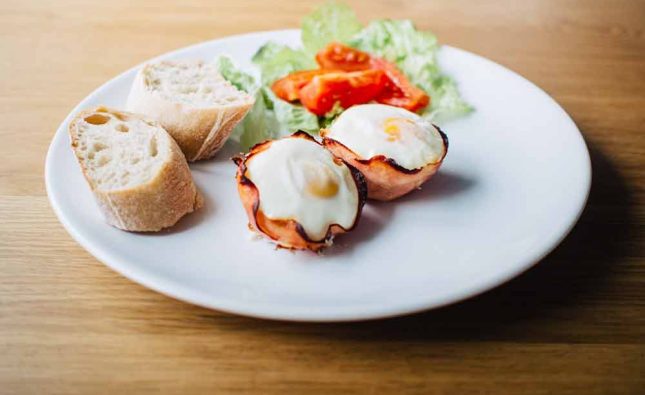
(573,272)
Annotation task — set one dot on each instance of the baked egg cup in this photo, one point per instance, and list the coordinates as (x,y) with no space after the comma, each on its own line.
(386,179)
(288,232)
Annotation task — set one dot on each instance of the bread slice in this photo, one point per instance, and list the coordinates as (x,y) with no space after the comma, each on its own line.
(192,101)
(138,174)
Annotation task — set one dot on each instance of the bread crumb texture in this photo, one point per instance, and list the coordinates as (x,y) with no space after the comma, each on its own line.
(109,145)
(196,83)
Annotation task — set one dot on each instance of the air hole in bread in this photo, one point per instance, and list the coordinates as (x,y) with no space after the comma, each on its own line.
(120,116)
(97,119)
(188,89)
(134,161)
(103,160)
(123,128)
(98,147)
(152,147)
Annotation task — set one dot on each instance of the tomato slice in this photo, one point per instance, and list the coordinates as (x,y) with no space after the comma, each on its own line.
(341,57)
(399,91)
(350,77)
(287,88)
(320,95)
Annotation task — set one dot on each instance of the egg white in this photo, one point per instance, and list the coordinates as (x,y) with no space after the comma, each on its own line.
(298,179)
(377,129)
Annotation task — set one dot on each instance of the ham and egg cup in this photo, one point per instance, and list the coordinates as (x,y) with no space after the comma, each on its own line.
(297,193)
(395,149)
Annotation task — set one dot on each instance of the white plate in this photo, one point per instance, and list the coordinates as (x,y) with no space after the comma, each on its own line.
(514,182)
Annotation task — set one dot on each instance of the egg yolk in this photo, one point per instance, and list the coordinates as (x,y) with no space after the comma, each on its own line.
(320,180)
(392,127)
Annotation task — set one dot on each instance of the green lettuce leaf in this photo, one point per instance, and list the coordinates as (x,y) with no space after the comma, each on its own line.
(269,117)
(326,120)
(241,80)
(446,101)
(329,22)
(291,118)
(259,124)
(395,40)
(276,60)
(415,53)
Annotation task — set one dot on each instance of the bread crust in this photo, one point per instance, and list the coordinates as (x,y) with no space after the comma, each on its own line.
(199,132)
(149,207)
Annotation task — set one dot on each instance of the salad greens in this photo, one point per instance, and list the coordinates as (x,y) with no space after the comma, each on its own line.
(414,52)
(291,117)
(259,123)
(276,60)
(269,117)
(330,22)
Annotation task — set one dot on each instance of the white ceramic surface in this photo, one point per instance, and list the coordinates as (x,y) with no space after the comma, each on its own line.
(514,182)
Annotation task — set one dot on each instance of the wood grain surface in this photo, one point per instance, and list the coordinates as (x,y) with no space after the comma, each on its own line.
(575,324)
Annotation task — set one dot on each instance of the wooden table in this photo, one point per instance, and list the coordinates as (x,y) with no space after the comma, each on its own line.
(573,324)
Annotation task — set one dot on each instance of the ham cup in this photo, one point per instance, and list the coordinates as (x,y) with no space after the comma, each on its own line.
(395,149)
(297,194)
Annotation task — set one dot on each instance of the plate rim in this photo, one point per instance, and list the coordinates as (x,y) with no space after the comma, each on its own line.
(292,313)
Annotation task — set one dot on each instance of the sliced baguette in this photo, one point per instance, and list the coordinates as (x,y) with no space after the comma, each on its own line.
(138,174)
(192,101)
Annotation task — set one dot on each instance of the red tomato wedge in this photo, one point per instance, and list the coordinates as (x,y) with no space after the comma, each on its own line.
(350,77)
(348,89)
(398,92)
(341,57)
(288,88)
